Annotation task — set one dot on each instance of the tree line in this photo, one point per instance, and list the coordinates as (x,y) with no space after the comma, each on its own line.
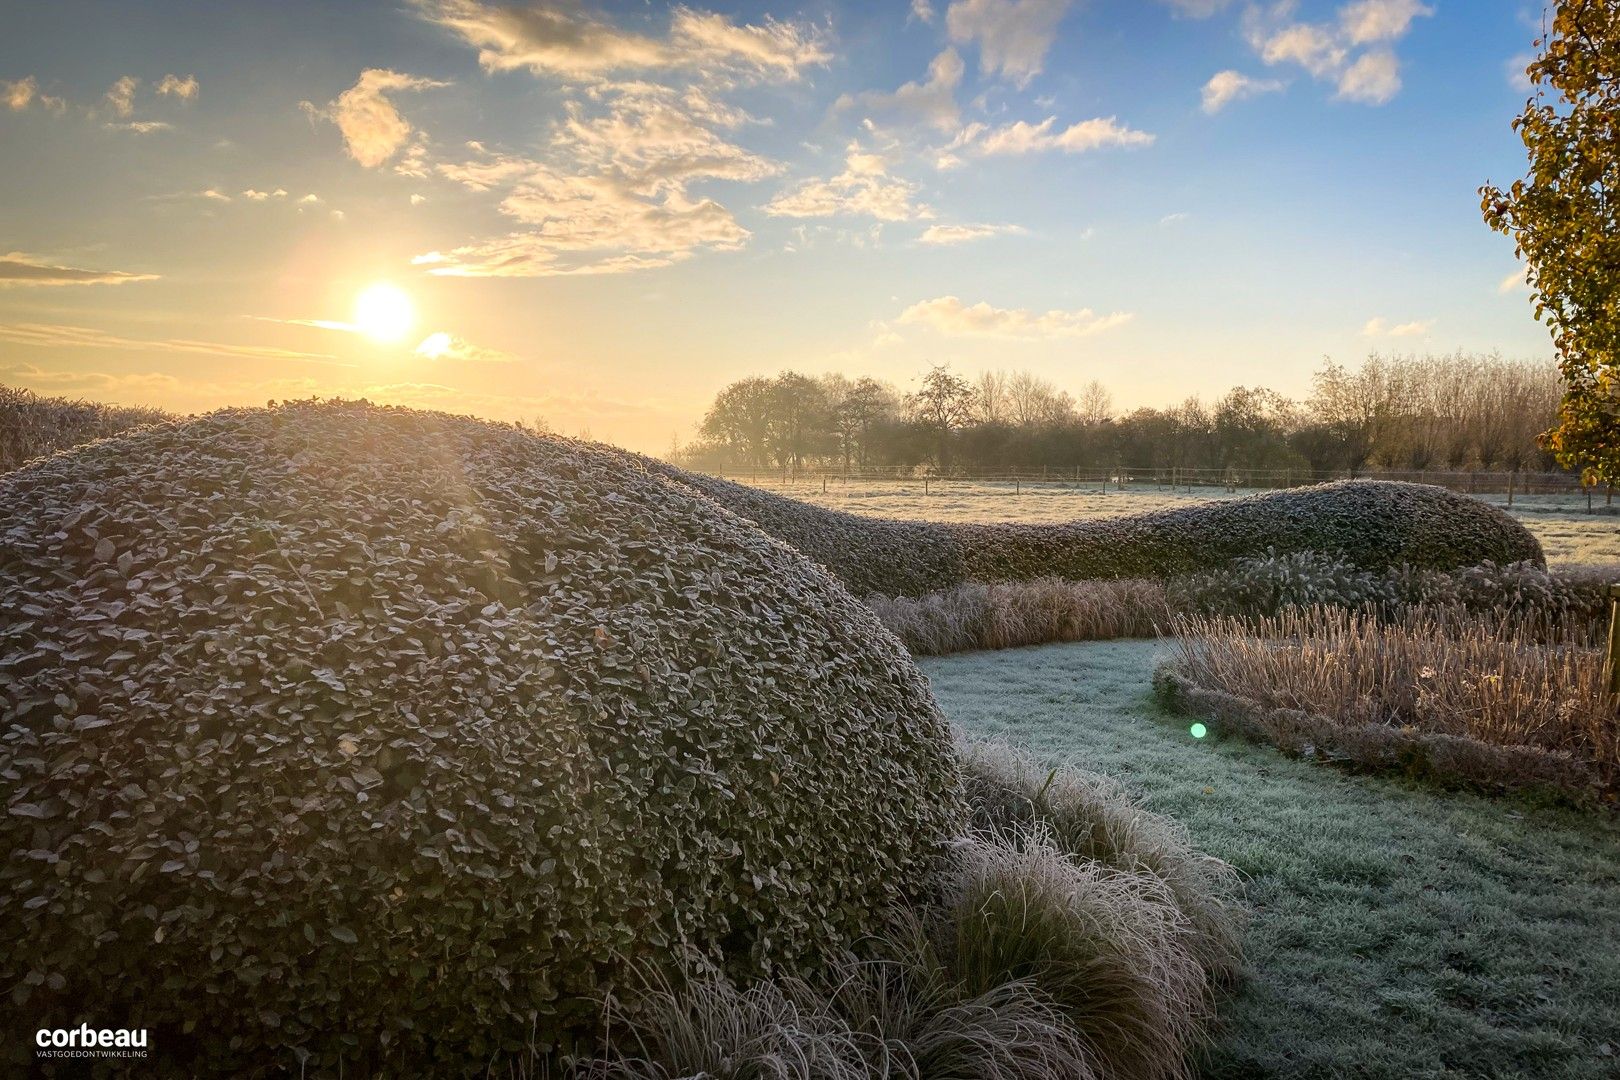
(1458,411)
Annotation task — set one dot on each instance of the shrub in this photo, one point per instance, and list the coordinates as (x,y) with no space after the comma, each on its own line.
(1523,595)
(1273,583)
(394,740)
(1002,616)
(1370,524)
(32,426)
(1431,692)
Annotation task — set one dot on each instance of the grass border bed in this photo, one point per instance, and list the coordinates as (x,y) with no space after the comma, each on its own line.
(1447,759)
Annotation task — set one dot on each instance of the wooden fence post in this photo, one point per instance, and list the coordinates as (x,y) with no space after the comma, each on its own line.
(1511,475)
(1614,639)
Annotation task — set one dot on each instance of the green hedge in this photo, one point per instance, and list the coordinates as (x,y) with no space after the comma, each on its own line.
(1371,524)
(395,738)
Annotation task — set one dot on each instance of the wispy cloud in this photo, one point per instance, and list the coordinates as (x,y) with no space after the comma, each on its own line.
(558,37)
(1329,50)
(175,86)
(1023,137)
(950,316)
(1013,36)
(1514,282)
(50,335)
(1380,327)
(372,127)
(962,234)
(445,346)
(20,269)
(931,101)
(1225,87)
(865,188)
(120,97)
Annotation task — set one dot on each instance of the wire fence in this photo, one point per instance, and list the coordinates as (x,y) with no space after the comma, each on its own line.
(1511,484)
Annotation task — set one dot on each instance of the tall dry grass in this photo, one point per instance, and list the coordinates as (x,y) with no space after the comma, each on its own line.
(1005,616)
(32,426)
(1073,936)
(1504,682)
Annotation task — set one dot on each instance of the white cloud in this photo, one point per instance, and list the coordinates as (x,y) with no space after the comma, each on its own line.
(1373,79)
(1023,137)
(253,195)
(1197,9)
(612,195)
(1013,35)
(962,234)
(20,269)
(1173,219)
(445,346)
(373,129)
(183,88)
(923,11)
(656,146)
(1313,48)
(1366,21)
(120,96)
(932,101)
(1379,327)
(864,188)
(1225,87)
(1517,76)
(948,315)
(418,200)
(142,127)
(19,94)
(1354,52)
(1514,282)
(558,37)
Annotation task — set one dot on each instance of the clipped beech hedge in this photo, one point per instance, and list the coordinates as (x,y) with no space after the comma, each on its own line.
(332,733)
(1371,524)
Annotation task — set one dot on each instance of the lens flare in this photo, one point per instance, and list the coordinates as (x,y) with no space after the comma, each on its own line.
(1198,731)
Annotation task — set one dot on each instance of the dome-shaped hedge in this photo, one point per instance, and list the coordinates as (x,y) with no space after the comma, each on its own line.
(400,736)
(1373,524)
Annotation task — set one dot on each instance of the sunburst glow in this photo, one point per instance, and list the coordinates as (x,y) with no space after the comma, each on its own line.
(383,312)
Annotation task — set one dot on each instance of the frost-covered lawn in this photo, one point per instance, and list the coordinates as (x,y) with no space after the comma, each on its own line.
(1567,533)
(1399,932)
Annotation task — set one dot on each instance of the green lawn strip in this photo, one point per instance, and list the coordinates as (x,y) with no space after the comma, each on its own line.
(1398,931)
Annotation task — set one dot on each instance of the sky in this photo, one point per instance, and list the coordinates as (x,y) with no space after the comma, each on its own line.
(599,214)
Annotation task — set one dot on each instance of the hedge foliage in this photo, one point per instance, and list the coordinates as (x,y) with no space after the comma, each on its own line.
(396,738)
(1370,524)
(32,426)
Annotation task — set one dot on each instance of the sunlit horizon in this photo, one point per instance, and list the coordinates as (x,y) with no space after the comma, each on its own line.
(438,204)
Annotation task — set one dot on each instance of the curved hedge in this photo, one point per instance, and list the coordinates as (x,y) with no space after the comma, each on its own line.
(397,737)
(1373,524)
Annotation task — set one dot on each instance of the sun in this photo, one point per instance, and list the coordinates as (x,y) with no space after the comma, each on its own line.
(383,312)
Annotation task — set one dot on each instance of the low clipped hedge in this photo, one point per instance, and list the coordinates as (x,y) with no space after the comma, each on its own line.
(347,738)
(1369,524)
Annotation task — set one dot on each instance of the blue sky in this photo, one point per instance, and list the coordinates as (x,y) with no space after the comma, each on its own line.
(599,214)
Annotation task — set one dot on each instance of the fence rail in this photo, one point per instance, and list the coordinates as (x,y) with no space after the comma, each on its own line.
(927,479)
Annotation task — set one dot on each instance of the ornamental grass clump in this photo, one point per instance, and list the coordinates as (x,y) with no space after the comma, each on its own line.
(1010,614)
(371,740)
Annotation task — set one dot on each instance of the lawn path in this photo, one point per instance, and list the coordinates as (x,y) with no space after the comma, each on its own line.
(1398,931)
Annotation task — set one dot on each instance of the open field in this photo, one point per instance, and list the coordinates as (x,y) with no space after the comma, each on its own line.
(1398,931)
(1567,532)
